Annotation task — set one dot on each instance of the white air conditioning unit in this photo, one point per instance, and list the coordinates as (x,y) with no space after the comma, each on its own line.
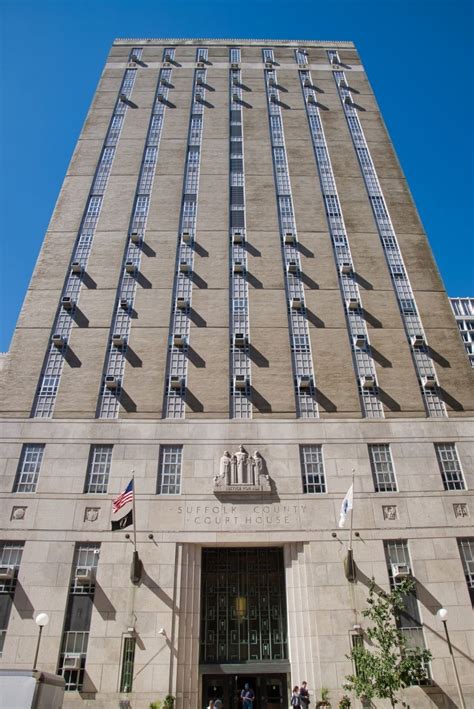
(305,381)
(76,267)
(166,65)
(311,98)
(429,382)
(124,303)
(134,58)
(401,571)
(273,98)
(168,58)
(181,303)
(289,237)
(186,237)
(200,81)
(235,81)
(7,573)
(360,340)
(179,339)
(72,662)
(334,59)
(345,267)
(367,381)
(239,339)
(296,303)
(130,267)
(238,267)
(292,267)
(84,575)
(418,341)
(161,98)
(240,381)
(184,266)
(353,303)
(343,83)
(348,101)
(67,302)
(118,340)
(237,237)
(235,97)
(57,340)
(176,382)
(111,382)
(131,65)
(123,97)
(307,83)
(135,237)
(272,82)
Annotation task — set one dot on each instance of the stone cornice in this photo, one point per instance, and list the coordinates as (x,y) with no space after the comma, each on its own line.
(233,40)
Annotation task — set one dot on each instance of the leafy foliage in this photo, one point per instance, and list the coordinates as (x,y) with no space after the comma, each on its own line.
(390,664)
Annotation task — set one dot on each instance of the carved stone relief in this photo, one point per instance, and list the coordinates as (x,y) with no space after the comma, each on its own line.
(241,472)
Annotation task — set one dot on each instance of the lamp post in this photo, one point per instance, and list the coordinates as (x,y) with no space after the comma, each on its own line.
(41,620)
(443,615)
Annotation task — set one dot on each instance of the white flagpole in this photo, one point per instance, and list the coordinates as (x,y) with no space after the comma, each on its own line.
(352,510)
(135,516)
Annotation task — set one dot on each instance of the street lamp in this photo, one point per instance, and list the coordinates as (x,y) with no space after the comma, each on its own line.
(443,616)
(41,620)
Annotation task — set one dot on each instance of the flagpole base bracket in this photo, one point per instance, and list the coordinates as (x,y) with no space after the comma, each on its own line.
(349,567)
(136,569)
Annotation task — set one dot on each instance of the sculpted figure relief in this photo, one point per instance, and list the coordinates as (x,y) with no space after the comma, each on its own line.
(241,469)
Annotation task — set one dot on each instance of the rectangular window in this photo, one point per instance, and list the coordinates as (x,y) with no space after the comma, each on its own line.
(312,469)
(466,550)
(382,468)
(10,558)
(29,467)
(169,472)
(126,678)
(235,56)
(202,54)
(98,469)
(450,466)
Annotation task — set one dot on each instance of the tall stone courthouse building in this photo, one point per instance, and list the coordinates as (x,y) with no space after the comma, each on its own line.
(235,305)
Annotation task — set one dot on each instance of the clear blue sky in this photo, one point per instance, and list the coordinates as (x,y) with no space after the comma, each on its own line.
(418,55)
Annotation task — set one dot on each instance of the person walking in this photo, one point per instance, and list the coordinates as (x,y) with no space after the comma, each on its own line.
(295,697)
(218,704)
(304,695)
(247,696)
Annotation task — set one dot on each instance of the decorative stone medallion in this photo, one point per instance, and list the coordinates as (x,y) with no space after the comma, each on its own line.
(460,509)
(390,512)
(240,472)
(91,514)
(18,513)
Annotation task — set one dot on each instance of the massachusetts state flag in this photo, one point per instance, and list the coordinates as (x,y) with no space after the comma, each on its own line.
(346,506)
(122,519)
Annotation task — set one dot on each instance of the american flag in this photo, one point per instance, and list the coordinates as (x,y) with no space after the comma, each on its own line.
(125,497)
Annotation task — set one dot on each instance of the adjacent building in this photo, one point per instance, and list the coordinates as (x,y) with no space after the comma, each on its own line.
(236,304)
(463,309)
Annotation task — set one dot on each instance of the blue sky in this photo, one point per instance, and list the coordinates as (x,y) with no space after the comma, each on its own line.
(418,55)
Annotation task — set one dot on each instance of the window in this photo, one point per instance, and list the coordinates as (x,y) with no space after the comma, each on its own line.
(466,550)
(450,466)
(126,679)
(235,56)
(29,467)
(169,473)
(10,557)
(312,469)
(202,54)
(99,469)
(382,468)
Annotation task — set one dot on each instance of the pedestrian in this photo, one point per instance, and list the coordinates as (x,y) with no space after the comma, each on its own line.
(295,697)
(304,695)
(211,704)
(218,704)
(247,696)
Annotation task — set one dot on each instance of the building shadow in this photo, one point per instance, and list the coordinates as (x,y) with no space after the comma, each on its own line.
(198,281)
(192,401)
(127,402)
(388,401)
(257,357)
(79,317)
(438,358)
(450,400)
(323,401)
(22,603)
(147,250)
(132,358)
(102,604)
(196,318)
(259,401)
(379,357)
(142,280)
(313,318)
(195,358)
(71,358)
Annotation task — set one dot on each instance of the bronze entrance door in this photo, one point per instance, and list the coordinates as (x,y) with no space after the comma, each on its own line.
(271,690)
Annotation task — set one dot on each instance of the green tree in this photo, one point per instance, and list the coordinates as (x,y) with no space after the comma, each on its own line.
(388,664)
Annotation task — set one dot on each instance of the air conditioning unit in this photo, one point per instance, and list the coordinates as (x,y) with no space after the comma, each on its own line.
(348,101)
(238,267)
(345,267)
(418,341)
(235,97)
(239,339)
(131,65)
(234,65)
(7,573)
(176,382)
(353,303)
(130,267)
(184,266)
(57,340)
(67,302)
(161,98)
(237,237)
(235,81)
(334,59)
(302,65)
(296,303)
(123,97)
(118,340)
(76,267)
(311,98)
(429,382)
(124,303)
(200,81)
(240,381)
(181,303)
(367,381)
(200,65)
(168,58)
(179,339)
(401,571)
(72,662)
(307,83)
(164,82)
(292,267)
(186,237)
(289,237)
(135,237)
(360,340)
(272,82)
(111,382)
(343,83)
(273,98)
(268,65)
(305,381)
(166,65)
(84,575)
(134,58)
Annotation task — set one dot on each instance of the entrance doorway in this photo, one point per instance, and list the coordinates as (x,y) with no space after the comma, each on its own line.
(271,690)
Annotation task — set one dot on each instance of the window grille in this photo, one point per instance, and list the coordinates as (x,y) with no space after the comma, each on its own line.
(10,557)
(466,550)
(29,467)
(98,472)
(169,472)
(450,467)
(128,660)
(235,55)
(382,468)
(312,469)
